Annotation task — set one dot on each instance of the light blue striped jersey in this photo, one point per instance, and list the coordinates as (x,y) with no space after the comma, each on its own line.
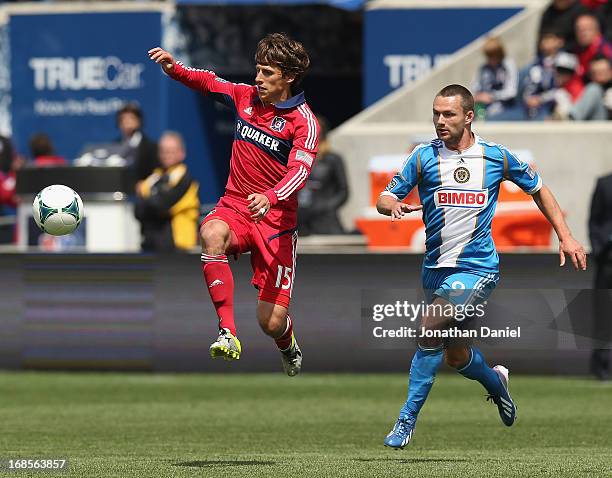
(459,193)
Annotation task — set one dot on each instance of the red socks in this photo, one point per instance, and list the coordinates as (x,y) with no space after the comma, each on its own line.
(219,280)
(284,341)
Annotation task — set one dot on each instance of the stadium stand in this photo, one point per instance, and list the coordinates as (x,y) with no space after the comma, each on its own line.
(387,126)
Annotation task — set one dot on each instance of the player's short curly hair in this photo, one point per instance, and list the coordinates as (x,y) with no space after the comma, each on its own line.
(278,49)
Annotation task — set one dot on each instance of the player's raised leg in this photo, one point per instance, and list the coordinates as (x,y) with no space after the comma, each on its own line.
(470,363)
(219,281)
(425,364)
(276,322)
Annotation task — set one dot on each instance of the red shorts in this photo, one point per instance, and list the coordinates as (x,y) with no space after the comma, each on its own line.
(272,247)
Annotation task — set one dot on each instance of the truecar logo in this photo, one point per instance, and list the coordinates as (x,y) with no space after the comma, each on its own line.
(85,73)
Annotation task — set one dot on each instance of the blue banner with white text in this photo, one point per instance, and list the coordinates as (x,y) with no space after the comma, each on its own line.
(403,45)
(71,72)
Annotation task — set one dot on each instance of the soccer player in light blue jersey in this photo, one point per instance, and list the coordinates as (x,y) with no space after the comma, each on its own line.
(458,176)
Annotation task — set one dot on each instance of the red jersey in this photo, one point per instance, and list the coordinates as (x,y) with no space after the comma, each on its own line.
(274,145)
(599,47)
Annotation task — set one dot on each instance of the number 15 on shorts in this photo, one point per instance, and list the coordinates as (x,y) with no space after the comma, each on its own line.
(283,277)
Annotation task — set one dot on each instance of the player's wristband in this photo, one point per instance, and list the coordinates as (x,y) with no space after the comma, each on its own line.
(271,195)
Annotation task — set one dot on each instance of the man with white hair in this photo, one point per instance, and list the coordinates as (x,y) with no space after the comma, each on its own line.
(167,203)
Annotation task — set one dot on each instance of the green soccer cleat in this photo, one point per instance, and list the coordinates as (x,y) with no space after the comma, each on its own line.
(226,346)
(292,359)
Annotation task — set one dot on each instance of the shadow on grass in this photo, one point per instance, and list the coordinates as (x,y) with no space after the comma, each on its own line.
(211,463)
(414,460)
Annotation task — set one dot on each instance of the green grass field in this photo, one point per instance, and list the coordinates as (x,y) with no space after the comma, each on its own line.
(127,425)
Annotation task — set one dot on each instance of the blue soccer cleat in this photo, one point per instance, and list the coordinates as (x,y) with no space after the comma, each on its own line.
(401,434)
(505,404)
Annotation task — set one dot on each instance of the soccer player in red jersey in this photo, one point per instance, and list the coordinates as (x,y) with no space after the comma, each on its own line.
(275,143)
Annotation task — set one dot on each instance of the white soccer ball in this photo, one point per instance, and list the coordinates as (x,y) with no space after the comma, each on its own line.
(57,210)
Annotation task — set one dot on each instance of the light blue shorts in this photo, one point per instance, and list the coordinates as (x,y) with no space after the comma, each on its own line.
(458,286)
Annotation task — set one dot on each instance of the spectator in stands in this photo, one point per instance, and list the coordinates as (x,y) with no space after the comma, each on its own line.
(603,10)
(8,199)
(600,233)
(568,89)
(598,7)
(538,85)
(325,191)
(606,14)
(7,191)
(561,16)
(595,103)
(167,203)
(495,86)
(6,154)
(43,152)
(590,43)
(601,73)
(594,5)
(138,150)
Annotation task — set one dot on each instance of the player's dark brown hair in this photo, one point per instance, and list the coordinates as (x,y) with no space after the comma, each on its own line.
(467,100)
(278,49)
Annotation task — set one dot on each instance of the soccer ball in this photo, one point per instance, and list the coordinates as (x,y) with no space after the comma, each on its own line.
(57,210)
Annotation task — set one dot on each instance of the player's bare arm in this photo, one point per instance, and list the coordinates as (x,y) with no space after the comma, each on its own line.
(390,206)
(569,246)
(161,56)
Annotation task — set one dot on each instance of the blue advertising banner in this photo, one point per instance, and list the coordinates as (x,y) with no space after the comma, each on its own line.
(71,72)
(402,45)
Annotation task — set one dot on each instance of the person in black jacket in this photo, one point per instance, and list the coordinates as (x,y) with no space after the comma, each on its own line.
(325,191)
(600,233)
(138,150)
(167,203)
(561,16)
